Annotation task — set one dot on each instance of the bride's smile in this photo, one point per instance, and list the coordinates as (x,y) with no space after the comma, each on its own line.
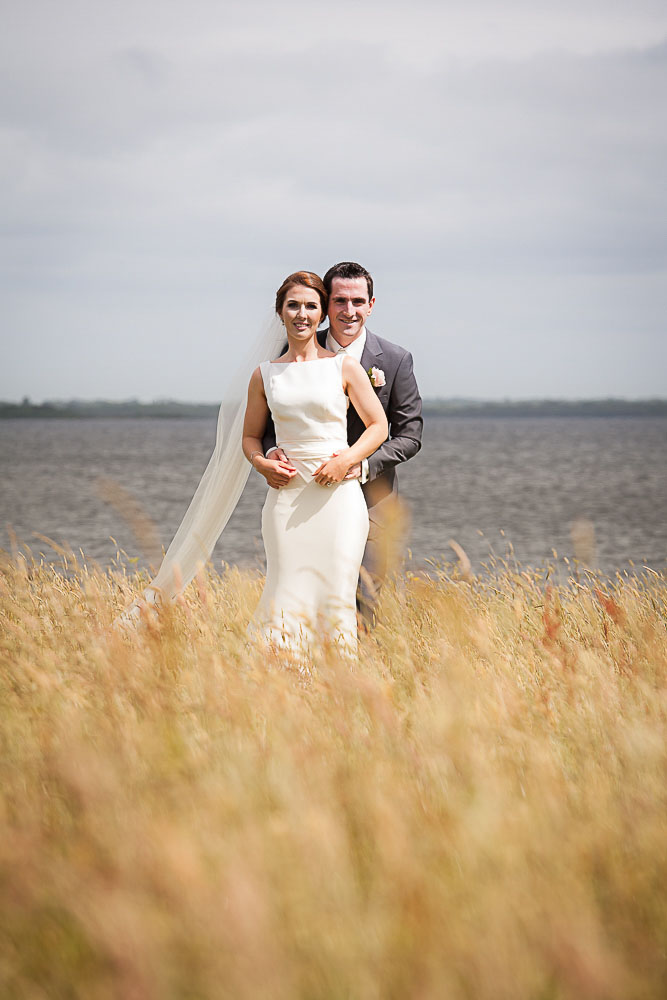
(301,313)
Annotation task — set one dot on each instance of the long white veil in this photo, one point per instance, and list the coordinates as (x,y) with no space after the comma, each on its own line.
(222,482)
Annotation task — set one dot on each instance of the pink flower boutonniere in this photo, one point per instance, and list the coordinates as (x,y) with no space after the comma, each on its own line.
(376,375)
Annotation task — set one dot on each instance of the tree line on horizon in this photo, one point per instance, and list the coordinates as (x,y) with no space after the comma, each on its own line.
(452,407)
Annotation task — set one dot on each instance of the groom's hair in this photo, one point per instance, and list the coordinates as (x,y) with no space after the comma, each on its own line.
(309,280)
(348,269)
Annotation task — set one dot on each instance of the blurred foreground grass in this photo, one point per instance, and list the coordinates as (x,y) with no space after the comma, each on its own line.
(476,809)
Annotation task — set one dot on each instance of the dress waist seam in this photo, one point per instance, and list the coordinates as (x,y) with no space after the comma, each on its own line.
(303,441)
(312,448)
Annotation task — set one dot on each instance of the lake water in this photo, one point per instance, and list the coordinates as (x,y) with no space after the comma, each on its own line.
(474,479)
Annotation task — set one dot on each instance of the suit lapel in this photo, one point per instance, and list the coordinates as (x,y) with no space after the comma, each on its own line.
(372,351)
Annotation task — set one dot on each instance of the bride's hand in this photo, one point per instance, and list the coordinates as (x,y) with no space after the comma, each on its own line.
(332,471)
(277,472)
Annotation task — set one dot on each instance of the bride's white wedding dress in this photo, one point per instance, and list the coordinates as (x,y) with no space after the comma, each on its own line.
(314,535)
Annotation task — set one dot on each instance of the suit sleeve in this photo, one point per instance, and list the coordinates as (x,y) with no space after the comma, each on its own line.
(404,414)
(269,439)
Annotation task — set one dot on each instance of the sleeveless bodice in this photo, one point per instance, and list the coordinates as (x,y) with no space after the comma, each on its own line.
(309,409)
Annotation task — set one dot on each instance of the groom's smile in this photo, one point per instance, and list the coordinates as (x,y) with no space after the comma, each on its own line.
(349,308)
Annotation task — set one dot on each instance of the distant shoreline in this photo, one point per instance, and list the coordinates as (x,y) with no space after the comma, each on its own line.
(172,409)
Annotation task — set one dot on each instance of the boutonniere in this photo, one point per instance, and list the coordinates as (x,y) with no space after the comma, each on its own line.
(376,375)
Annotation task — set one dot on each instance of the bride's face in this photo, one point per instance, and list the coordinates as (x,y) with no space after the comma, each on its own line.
(302,312)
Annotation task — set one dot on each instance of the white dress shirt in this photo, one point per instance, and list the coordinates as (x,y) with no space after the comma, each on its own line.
(355,349)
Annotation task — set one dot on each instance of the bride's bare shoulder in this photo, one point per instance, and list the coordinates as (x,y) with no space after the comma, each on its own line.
(351,364)
(256,379)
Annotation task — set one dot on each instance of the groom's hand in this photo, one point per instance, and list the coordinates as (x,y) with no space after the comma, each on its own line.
(354,471)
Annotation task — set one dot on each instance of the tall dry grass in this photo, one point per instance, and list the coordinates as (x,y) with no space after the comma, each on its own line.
(476,809)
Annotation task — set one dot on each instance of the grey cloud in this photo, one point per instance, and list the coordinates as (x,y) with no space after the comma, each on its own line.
(154,156)
(462,155)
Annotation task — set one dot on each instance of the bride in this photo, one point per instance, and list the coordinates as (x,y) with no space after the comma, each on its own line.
(314,521)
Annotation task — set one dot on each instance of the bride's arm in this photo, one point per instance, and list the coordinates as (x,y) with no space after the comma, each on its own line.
(277,473)
(362,396)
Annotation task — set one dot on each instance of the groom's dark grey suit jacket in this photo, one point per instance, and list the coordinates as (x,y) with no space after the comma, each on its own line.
(401,402)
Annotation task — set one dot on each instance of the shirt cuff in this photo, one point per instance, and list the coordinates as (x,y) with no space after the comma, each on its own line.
(275,448)
(364,471)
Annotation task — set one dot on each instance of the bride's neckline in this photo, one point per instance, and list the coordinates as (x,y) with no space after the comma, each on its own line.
(310,361)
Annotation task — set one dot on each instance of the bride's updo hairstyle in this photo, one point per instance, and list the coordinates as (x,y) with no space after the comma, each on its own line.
(309,280)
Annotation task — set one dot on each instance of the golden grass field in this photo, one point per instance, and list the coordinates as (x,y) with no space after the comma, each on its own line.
(476,809)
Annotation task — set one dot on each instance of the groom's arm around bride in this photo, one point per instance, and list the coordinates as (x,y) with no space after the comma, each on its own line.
(392,374)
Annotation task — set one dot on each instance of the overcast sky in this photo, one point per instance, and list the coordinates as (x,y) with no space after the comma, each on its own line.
(499,167)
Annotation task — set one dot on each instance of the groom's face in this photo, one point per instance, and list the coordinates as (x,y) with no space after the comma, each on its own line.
(349,308)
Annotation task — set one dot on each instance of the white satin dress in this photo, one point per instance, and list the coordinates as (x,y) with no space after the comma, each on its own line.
(314,536)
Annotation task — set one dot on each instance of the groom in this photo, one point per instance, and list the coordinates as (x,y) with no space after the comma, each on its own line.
(351,302)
